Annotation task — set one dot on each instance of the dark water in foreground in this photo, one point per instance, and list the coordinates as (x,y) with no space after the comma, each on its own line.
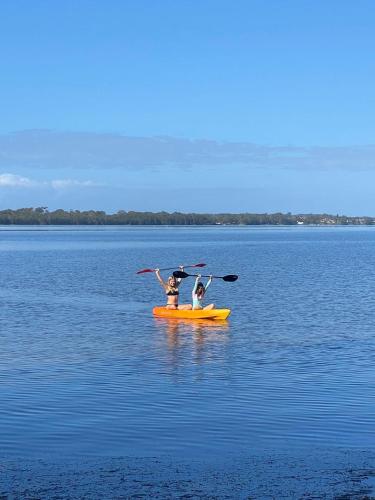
(86,369)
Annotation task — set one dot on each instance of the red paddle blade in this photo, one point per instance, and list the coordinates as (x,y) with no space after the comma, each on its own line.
(145,271)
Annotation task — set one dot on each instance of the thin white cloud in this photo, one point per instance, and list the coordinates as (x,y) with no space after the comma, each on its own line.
(17,181)
(49,149)
(71,183)
(12,180)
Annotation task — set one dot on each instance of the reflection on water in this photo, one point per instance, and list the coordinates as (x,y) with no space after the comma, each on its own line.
(200,326)
(202,337)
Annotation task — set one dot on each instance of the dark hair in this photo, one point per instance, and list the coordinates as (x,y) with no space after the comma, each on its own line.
(200,285)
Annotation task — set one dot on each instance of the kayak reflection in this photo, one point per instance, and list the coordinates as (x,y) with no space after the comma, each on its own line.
(199,340)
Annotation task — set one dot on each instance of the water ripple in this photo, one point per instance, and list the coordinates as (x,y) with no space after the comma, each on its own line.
(85,368)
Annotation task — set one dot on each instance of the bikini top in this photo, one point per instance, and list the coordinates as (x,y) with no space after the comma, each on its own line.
(172,292)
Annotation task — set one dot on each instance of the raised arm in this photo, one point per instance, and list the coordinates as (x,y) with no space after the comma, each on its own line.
(208,282)
(179,280)
(196,284)
(160,279)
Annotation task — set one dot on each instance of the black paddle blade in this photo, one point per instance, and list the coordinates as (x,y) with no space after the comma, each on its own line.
(180,274)
(230,277)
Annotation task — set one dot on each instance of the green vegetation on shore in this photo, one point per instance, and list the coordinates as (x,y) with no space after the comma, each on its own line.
(42,216)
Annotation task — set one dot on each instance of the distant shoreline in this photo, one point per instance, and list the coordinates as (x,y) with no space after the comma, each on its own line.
(41,216)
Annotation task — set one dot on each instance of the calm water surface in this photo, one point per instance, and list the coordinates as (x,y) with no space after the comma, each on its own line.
(86,369)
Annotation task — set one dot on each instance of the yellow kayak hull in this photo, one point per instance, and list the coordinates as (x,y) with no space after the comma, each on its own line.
(214,314)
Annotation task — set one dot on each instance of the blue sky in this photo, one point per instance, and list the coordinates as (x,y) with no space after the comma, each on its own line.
(204,106)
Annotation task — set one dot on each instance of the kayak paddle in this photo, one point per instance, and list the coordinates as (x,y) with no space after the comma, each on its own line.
(228,277)
(167,268)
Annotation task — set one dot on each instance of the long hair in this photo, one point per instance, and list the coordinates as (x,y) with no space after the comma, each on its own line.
(172,287)
(200,289)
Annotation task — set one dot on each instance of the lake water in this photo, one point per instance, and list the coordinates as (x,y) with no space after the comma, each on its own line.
(85,369)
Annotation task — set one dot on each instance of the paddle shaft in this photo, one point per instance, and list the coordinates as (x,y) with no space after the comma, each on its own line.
(228,277)
(168,268)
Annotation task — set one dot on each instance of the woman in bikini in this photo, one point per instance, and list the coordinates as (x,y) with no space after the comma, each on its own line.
(172,292)
(198,294)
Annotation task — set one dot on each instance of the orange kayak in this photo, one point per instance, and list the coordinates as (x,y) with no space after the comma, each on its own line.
(163,312)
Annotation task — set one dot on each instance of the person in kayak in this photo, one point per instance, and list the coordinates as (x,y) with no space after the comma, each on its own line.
(198,293)
(172,291)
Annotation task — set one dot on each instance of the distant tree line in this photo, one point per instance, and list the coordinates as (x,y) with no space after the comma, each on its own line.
(42,216)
